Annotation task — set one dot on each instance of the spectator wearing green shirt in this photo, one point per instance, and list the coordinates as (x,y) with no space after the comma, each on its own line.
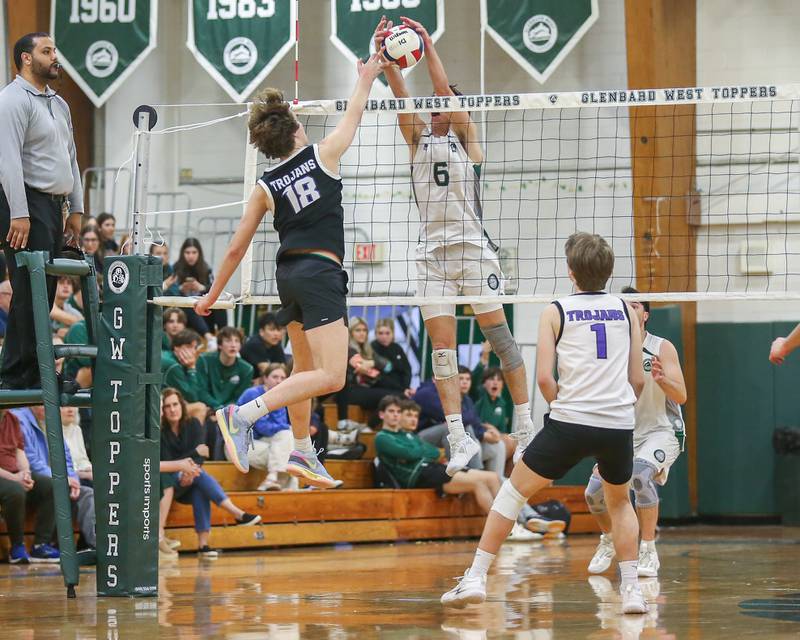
(493,410)
(179,371)
(414,462)
(78,369)
(174,321)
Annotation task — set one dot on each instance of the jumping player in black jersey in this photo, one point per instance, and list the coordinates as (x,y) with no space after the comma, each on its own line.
(304,193)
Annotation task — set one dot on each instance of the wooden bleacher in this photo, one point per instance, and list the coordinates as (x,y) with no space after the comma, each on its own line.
(355,513)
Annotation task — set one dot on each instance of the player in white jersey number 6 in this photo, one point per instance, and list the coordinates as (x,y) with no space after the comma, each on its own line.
(656,446)
(304,193)
(455,256)
(596,346)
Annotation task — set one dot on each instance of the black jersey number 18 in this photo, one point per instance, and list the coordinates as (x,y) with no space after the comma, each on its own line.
(301,193)
(440,174)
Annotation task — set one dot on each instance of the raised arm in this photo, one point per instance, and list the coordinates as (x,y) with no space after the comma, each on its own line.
(667,373)
(460,121)
(411,125)
(546,353)
(782,347)
(257,206)
(337,142)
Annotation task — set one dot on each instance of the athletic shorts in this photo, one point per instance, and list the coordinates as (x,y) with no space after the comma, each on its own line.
(458,269)
(433,476)
(559,446)
(658,448)
(312,289)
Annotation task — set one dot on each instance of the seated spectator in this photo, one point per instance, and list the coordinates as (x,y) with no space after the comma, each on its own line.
(22,488)
(363,370)
(90,241)
(399,376)
(414,462)
(31,420)
(182,454)
(106,225)
(125,245)
(78,369)
(63,315)
(179,371)
(73,437)
(194,279)
(273,440)
(76,299)
(224,377)
(173,322)
(5,305)
(435,431)
(494,409)
(266,346)
(170,284)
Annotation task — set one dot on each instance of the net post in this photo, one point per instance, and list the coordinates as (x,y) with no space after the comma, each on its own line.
(250,175)
(144,119)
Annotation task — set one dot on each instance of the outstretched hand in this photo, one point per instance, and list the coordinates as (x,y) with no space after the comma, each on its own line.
(417,26)
(373,67)
(777,352)
(203,306)
(381,31)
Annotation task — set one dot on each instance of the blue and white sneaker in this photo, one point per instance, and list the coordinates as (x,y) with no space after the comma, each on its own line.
(306,466)
(237,434)
(19,555)
(44,553)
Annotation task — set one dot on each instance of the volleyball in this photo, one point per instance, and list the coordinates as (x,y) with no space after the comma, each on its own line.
(404,47)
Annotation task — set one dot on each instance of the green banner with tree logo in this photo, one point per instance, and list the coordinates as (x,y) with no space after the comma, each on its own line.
(101,42)
(353,22)
(538,34)
(240,41)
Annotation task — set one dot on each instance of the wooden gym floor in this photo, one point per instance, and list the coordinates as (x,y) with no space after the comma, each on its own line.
(716,582)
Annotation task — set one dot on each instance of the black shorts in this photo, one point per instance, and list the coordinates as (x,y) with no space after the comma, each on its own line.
(313,290)
(559,446)
(433,476)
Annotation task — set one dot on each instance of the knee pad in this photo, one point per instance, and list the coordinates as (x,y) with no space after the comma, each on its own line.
(508,502)
(594,495)
(644,487)
(444,363)
(504,346)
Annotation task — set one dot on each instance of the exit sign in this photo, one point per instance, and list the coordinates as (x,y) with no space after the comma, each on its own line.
(368,252)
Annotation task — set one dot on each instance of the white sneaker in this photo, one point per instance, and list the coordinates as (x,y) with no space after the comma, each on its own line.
(461,452)
(524,435)
(603,556)
(649,564)
(521,534)
(467,591)
(632,599)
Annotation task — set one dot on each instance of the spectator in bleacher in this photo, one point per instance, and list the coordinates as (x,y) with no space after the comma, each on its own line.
(73,437)
(32,423)
(5,305)
(194,279)
(181,440)
(63,315)
(90,241)
(106,225)
(78,369)
(169,286)
(272,434)
(266,346)
(399,376)
(125,245)
(179,370)
(363,370)
(20,488)
(173,321)
(494,409)
(414,462)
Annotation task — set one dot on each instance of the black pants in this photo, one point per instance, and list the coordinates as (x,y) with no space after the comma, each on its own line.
(208,324)
(365,397)
(13,501)
(20,366)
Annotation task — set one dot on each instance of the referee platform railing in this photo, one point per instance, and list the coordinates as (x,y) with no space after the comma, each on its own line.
(40,265)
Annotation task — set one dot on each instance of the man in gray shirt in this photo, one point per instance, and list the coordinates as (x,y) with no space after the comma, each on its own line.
(41,203)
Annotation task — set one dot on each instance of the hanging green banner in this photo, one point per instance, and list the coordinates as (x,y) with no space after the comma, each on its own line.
(101,42)
(353,22)
(538,34)
(240,41)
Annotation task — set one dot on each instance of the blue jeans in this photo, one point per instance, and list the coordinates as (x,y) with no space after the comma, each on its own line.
(205,490)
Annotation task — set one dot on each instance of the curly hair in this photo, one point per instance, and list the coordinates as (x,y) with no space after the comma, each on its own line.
(272,124)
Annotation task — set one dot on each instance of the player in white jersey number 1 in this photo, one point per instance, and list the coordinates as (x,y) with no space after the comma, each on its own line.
(596,346)
(455,256)
(656,446)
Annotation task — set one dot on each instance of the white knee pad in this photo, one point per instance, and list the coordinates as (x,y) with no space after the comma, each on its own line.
(445,363)
(504,346)
(594,495)
(644,487)
(508,502)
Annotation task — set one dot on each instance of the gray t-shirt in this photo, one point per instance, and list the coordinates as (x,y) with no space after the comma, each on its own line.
(36,146)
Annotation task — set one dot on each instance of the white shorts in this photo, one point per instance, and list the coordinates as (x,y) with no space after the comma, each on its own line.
(659,448)
(458,270)
(272,453)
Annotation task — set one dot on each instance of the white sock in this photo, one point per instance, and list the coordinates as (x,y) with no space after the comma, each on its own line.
(480,564)
(650,545)
(523,411)
(255,409)
(627,571)
(304,445)
(455,425)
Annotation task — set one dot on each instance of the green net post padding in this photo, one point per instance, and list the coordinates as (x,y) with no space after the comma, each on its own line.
(125,433)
